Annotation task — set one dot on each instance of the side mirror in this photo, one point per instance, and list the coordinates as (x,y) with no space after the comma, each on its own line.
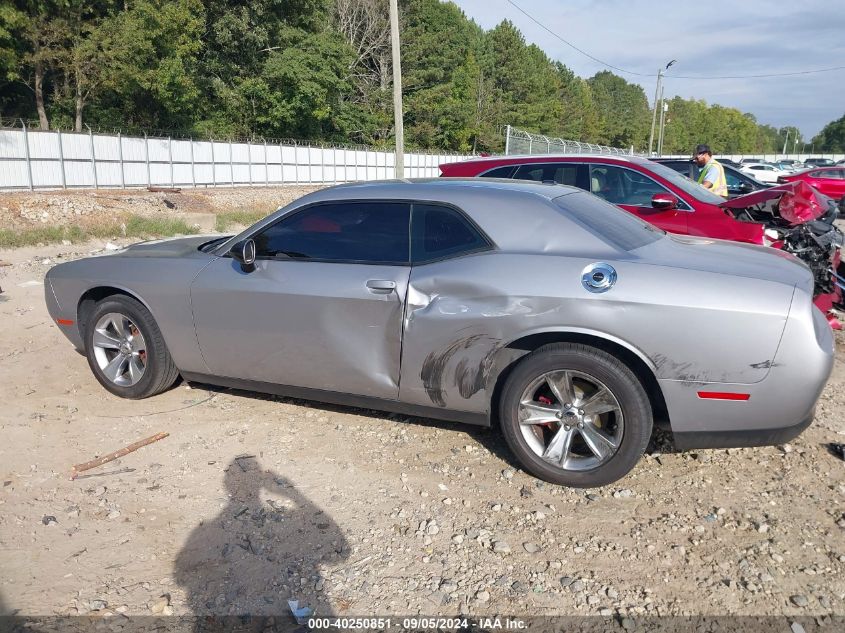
(664,201)
(745,187)
(244,252)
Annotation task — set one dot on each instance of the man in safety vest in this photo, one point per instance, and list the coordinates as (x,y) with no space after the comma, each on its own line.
(712,174)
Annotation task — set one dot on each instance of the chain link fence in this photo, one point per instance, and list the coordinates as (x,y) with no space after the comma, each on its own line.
(523,142)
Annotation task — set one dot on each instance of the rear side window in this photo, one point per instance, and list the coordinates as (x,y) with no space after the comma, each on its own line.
(438,232)
(561,173)
(608,222)
(353,232)
(499,172)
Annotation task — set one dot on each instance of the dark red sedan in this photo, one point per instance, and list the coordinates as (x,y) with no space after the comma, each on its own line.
(829,180)
(791,217)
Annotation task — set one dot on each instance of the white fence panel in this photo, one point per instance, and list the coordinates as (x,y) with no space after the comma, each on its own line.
(47,159)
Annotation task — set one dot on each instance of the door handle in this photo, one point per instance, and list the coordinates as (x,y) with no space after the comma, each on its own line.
(381,286)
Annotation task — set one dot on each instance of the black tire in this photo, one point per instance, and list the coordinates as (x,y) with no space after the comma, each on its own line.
(159,371)
(617,378)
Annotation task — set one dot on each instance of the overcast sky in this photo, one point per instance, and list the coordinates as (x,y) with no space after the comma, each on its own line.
(713,37)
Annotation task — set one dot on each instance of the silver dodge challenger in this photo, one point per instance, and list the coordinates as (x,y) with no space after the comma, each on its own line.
(572,326)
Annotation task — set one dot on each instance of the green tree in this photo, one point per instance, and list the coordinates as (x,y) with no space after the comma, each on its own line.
(832,137)
(624,115)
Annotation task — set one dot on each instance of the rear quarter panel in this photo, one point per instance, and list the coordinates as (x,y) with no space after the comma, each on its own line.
(463,315)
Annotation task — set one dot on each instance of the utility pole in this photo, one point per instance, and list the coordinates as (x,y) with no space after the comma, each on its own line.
(658,96)
(397,90)
(785,141)
(664,107)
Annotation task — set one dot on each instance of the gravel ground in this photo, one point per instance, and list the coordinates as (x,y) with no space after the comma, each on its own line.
(23,210)
(253,500)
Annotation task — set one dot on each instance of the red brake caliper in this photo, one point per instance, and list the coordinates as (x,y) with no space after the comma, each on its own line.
(546,400)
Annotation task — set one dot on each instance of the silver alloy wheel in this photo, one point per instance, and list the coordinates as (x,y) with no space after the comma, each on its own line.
(120,349)
(571,420)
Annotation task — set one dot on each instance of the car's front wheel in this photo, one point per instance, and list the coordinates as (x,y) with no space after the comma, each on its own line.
(126,350)
(575,415)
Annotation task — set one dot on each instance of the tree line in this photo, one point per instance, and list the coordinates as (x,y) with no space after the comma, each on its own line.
(321,70)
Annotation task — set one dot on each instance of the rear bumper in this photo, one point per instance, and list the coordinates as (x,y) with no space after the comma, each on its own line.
(741,438)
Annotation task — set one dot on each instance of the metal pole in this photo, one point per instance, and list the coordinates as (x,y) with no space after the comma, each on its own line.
(507,139)
(26,153)
(249,160)
(295,163)
(785,141)
(93,158)
(62,161)
(281,164)
(147,158)
(213,166)
(308,153)
(170,158)
(193,172)
(662,120)
(266,168)
(231,164)
(397,89)
(120,156)
(654,116)
(322,163)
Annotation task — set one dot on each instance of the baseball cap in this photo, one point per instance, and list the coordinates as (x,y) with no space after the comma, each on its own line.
(702,149)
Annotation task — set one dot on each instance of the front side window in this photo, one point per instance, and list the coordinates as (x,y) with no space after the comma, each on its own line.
(356,232)
(836,174)
(684,184)
(623,186)
(438,232)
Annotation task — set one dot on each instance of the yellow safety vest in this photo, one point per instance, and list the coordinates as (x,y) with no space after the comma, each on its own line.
(720,187)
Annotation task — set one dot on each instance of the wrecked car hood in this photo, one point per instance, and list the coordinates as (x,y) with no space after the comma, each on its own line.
(799,202)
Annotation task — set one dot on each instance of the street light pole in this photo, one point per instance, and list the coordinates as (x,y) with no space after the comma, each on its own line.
(658,96)
(654,116)
(397,90)
(785,141)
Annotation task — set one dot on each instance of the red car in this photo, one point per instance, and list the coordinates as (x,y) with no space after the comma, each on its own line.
(790,216)
(829,180)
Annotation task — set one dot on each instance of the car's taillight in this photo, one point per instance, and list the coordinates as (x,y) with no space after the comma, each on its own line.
(770,237)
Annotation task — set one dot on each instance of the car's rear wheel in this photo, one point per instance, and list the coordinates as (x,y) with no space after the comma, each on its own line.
(126,350)
(575,415)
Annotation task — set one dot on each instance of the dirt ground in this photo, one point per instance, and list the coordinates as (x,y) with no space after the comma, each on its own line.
(87,207)
(254,500)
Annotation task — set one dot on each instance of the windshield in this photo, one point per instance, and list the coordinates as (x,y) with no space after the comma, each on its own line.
(685,184)
(608,222)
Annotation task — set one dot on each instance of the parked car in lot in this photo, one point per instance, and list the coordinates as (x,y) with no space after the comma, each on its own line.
(738,182)
(794,219)
(763,172)
(434,298)
(819,162)
(790,164)
(829,180)
(724,161)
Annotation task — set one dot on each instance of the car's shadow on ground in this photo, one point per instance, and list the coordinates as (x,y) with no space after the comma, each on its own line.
(661,440)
